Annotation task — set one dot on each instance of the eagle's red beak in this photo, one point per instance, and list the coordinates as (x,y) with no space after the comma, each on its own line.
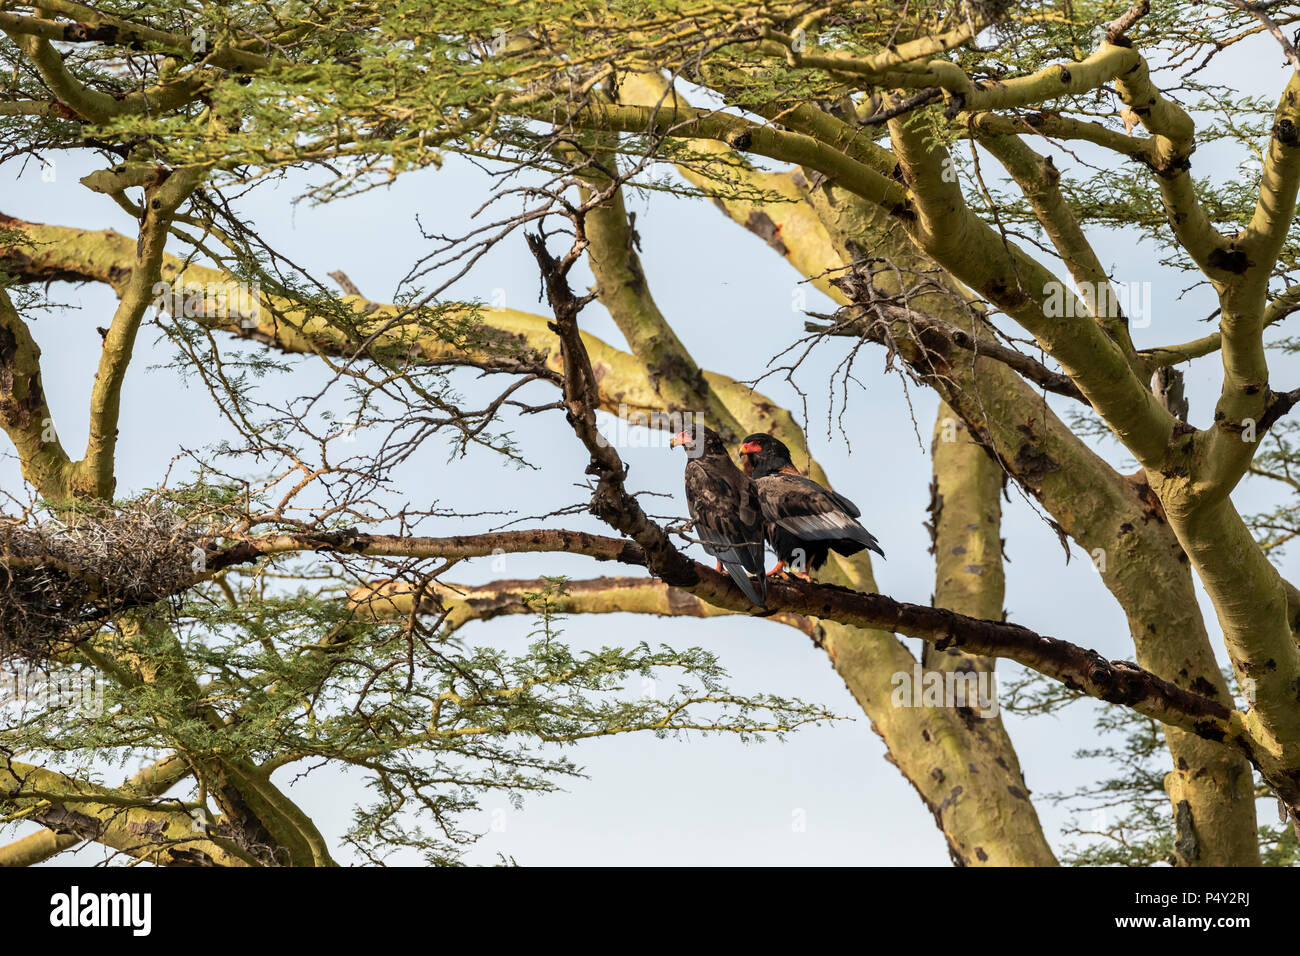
(681,438)
(750,448)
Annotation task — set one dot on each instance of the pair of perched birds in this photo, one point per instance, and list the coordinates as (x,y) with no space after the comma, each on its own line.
(735,511)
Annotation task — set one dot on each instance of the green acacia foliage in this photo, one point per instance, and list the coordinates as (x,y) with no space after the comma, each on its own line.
(294,678)
(1121,817)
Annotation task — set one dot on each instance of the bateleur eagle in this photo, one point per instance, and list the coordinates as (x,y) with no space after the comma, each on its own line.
(802,520)
(725,508)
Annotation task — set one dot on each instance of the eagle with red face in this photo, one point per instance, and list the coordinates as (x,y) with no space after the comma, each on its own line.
(725,508)
(802,521)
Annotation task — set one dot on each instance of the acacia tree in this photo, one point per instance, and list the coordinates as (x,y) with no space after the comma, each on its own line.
(943,171)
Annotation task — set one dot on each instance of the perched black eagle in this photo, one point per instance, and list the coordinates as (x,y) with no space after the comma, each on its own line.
(802,520)
(725,508)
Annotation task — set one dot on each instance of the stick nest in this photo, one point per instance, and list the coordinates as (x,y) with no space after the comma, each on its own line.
(59,578)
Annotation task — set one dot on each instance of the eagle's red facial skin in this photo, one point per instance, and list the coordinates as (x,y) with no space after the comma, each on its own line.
(681,438)
(750,448)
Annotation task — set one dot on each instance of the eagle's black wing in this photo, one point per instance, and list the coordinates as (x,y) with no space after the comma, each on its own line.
(805,510)
(729,523)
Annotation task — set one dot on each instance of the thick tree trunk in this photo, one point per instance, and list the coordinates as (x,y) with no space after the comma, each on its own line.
(1114,518)
(966,516)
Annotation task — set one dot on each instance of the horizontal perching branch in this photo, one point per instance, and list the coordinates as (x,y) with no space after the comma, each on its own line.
(1081,669)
